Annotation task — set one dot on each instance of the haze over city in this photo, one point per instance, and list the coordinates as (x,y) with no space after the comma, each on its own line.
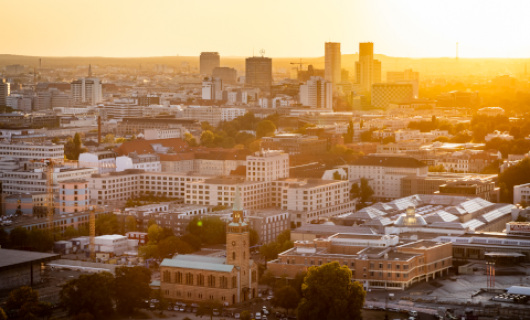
(272,160)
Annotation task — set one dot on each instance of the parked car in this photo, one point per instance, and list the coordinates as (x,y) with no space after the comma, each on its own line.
(188,309)
(194,310)
(258,315)
(393,309)
(269,298)
(215,312)
(237,315)
(176,308)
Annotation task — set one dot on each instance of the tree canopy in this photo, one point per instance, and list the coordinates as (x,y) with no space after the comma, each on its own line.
(211,230)
(90,293)
(131,287)
(286,297)
(329,293)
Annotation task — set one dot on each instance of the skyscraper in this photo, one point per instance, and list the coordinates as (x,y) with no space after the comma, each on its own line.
(209,60)
(258,73)
(367,70)
(4,92)
(87,90)
(317,93)
(333,62)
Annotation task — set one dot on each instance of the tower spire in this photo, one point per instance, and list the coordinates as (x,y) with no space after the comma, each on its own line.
(90,70)
(237,201)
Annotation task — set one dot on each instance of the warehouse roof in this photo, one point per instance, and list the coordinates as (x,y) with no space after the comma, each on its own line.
(193,262)
(12,258)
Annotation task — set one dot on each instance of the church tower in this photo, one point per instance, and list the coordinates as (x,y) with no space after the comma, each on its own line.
(237,247)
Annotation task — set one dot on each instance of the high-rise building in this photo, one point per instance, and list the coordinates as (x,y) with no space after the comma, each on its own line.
(212,89)
(4,92)
(228,75)
(258,73)
(209,60)
(367,70)
(317,93)
(87,90)
(333,62)
(384,93)
(407,76)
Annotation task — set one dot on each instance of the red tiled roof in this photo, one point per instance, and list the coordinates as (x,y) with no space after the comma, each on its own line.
(145,146)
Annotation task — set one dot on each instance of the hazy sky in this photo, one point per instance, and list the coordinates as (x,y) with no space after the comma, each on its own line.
(133,28)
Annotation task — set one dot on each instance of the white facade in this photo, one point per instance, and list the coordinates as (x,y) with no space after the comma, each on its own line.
(385,173)
(317,93)
(267,165)
(31,151)
(500,135)
(87,90)
(212,89)
(104,161)
(19,102)
(154,134)
(147,162)
(115,243)
(521,193)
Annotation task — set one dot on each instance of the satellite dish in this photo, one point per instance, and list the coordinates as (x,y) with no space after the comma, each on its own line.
(262,51)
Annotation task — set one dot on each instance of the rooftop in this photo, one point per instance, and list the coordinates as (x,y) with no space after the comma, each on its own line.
(11,258)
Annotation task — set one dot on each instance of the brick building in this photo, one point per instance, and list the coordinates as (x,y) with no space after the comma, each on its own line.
(194,278)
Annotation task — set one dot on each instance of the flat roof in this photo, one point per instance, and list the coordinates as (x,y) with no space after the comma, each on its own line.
(12,258)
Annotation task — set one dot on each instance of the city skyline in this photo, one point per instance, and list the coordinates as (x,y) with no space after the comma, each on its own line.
(400,28)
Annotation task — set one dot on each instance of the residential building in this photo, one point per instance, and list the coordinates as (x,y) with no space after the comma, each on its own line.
(467,161)
(317,93)
(376,261)
(213,115)
(209,61)
(87,91)
(258,73)
(384,93)
(212,89)
(333,63)
(31,151)
(231,280)
(294,144)
(521,194)
(73,196)
(34,181)
(491,111)
(147,162)
(268,223)
(267,165)
(385,173)
(18,101)
(172,133)
(367,70)
(498,135)
(132,126)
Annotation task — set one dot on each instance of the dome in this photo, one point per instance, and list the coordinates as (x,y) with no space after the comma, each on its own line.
(410,219)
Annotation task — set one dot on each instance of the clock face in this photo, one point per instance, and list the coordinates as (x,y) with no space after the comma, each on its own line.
(233,243)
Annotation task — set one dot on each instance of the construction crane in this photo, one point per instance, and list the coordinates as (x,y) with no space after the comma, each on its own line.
(49,170)
(300,64)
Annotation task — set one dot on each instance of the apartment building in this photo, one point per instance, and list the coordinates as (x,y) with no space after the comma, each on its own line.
(154,134)
(268,223)
(213,115)
(218,162)
(267,165)
(34,181)
(294,144)
(132,126)
(385,173)
(221,192)
(521,193)
(73,196)
(147,162)
(31,151)
(384,93)
(466,161)
(87,90)
(376,261)
(317,93)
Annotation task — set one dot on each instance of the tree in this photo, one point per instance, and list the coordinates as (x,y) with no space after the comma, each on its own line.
(106,224)
(171,245)
(154,233)
(245,315)
(162,304)
(19,237)
(355,191)
(348,136)
(130,223)
(298,281)
(131,287)
(4,239)
(265,128)
(109,138)
(336,175)
(268,279)
(207,307)
(3,315)
(253,237)
(90,293)
(193,240)
(366,136)
(366,190)
(207,139)
(286,297)
(211,230)
(148,252)
(438,168)
(255,145)
(388,140)
(23,299)
(40,240)
(329,293)
(514,175)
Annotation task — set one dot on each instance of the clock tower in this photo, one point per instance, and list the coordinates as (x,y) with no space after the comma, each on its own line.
(237,247)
